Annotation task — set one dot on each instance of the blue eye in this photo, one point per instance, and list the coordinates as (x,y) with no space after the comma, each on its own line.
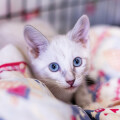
(77,62)
(54,67)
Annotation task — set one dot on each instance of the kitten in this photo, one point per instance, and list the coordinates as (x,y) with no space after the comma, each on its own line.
(62,62)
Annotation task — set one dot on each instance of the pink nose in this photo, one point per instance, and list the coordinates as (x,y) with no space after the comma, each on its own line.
(70,82)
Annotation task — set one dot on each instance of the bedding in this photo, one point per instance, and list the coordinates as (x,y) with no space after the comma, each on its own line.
(22,97)
(105,70)
(105,65)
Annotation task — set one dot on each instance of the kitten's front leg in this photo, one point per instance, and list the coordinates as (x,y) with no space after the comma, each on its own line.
(82,97)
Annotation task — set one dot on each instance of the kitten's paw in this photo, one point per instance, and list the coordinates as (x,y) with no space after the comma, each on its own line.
(84,104)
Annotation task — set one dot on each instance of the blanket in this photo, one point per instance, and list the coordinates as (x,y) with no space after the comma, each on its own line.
(25,98)
(105,66)
(105,70)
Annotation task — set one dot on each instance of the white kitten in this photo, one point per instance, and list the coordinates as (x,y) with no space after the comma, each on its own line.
(61,63)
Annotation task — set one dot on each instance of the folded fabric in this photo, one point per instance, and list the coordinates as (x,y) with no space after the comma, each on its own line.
(104,114)
(105,51)
(29,99)
(105,65)
(12,63)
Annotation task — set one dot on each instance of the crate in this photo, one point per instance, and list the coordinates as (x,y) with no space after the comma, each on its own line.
(62,14)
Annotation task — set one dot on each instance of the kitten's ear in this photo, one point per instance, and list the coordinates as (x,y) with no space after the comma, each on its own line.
(35,40)
(80,31)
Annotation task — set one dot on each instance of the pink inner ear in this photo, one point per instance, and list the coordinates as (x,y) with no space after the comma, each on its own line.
(113,58)
(81,30)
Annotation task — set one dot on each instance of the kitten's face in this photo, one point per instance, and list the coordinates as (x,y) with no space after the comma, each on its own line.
(63,62)
(58,63)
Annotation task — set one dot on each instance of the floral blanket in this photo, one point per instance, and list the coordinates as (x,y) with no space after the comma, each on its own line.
(29,99)
(105,70)
(24,98)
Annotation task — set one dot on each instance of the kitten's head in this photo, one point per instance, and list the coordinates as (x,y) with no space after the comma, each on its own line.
(63,61)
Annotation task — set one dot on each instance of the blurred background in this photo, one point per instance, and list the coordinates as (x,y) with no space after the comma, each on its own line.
(62,14)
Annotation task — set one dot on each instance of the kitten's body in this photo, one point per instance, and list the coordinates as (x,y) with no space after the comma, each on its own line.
(62,49)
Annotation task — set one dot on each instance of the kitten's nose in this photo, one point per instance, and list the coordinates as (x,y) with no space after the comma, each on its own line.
(71,82)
